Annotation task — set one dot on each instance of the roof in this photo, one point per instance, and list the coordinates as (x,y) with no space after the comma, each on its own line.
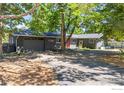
(26,32)
(29,33)
(52,33)
(87,36)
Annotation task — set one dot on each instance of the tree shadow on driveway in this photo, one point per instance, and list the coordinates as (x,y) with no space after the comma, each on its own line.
(100,70)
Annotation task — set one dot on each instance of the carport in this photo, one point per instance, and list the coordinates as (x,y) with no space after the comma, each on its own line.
(30,43)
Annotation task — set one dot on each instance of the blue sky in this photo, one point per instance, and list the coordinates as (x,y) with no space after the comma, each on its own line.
(28,17)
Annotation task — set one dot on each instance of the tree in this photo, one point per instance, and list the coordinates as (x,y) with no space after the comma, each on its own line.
(0,43)
(63,33)
(106,19)
(45,19)
(56,17)
(11,15)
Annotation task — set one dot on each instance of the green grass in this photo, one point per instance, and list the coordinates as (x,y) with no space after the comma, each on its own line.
(85,48)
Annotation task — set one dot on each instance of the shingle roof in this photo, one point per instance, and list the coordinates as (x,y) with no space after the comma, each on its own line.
(87,36)
(24,32)
(75,35)
(28,32)
(52,33)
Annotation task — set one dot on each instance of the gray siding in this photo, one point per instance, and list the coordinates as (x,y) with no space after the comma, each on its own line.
(88,43)
(36,45)
(31,43)
(50,43)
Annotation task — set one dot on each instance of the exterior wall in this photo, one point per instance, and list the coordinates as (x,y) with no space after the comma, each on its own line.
(50,43)
(68,44)
(81,43)
(31,43)
(12,40)
(19,41)
(88,43)
(8,47)
(73,43)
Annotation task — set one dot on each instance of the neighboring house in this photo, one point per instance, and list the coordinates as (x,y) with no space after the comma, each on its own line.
(48,41)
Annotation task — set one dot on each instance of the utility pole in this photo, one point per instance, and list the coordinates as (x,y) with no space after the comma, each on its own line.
(63,33)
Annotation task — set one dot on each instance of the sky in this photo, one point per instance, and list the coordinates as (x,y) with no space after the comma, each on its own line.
(28,17)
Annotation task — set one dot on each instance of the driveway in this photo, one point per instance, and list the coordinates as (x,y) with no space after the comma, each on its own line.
(79,67)
(84,68)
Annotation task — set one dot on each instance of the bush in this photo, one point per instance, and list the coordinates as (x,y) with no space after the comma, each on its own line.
(121,53)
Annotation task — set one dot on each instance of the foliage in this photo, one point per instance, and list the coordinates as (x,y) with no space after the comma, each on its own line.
(80,18)
(121,53)
(47,18)
(44,19)
(12,9)
(107,19)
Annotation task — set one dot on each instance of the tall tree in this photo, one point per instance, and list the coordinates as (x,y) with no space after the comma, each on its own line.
(11,15)
(63,33)
(56,17)
(107,19)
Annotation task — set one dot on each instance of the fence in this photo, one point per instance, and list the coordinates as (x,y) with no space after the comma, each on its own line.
(115,44)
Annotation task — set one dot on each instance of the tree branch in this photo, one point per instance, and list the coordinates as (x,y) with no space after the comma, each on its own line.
(18,16)
(73,29)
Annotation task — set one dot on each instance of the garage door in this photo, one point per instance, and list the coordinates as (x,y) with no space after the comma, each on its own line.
(36,45)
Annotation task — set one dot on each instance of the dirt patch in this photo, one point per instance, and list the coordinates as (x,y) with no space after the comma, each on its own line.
(70,68)
(26,73)
(114,60)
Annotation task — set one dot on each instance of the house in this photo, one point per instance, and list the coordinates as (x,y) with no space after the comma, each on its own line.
(48,41)
(26,40)
(86,40)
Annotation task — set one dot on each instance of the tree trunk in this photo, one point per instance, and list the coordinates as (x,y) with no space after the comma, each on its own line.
(72,31)
(63,33)
(1,50)
(70,34)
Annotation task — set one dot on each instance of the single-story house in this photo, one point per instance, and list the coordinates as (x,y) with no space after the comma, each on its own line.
(86,40)
(48,41)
